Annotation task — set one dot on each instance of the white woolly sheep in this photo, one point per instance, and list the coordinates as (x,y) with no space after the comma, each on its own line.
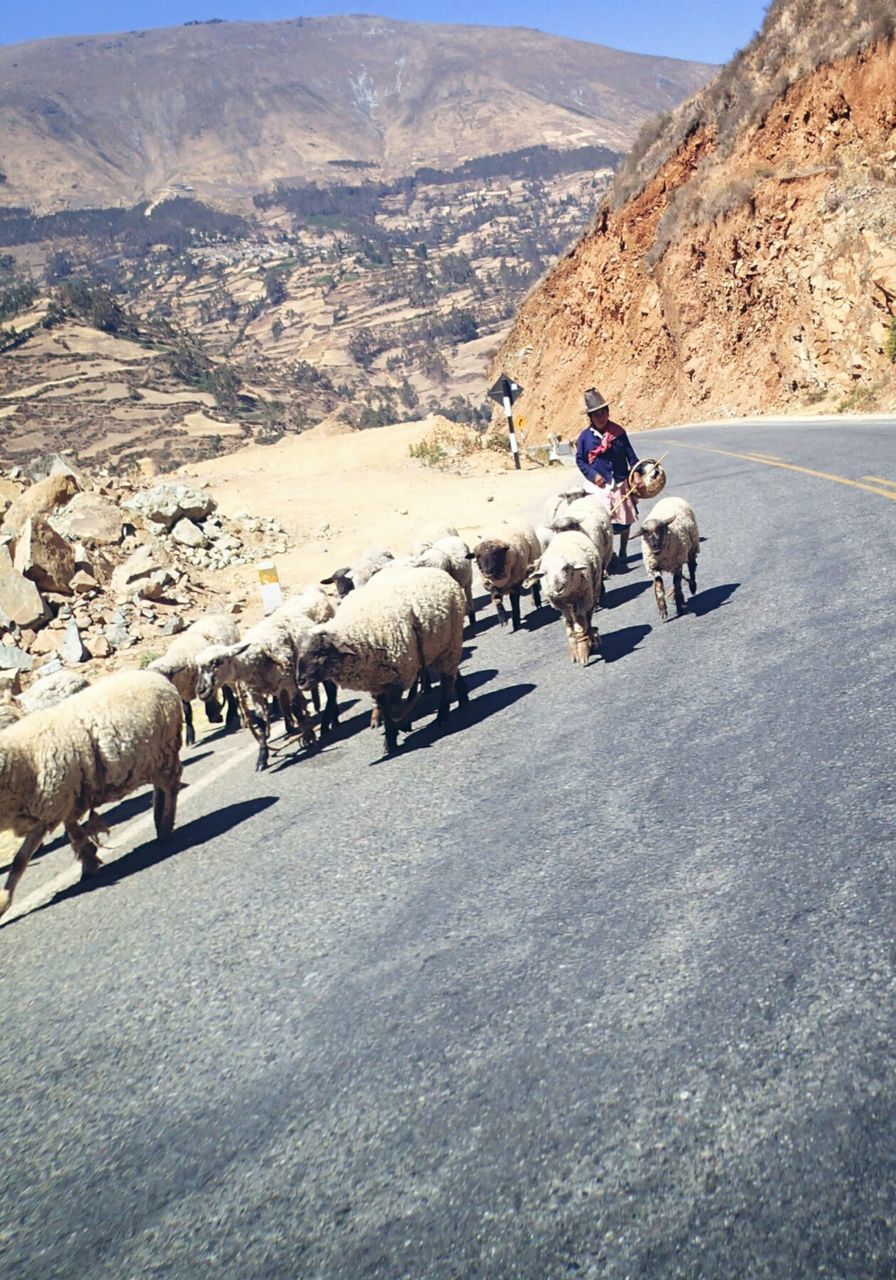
(178,664)
(505,555)
(670,540)
(383,636)
(350,577)
(261,667)
(98,745)
(571,573)
(589,515)
(452,555)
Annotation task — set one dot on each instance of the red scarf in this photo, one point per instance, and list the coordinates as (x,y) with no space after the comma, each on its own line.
(613,432)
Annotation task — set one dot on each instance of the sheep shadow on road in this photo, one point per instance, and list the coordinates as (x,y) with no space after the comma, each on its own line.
(200,831)
(461,718)
(619,644)
(713,598)
(624,592)
(130,807)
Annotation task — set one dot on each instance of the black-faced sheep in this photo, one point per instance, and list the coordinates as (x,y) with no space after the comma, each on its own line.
(351,577)
(383,636)
(505,555)
(670,540)
(57,765)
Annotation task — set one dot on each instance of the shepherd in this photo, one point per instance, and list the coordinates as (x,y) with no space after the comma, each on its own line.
(604,456)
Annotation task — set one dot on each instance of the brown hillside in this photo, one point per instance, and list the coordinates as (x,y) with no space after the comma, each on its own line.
(754,269)
(224,109)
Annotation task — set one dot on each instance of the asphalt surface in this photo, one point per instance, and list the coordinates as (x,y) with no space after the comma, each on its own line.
(597,983)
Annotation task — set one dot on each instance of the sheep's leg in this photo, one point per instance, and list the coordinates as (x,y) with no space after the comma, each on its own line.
(84,847)
(164,807)
(386,703)
(536,594)
(461,691)
(303,722)
(213,710)
(315,697)
(284,702)
(678,592)
(692,572)
(498,601)
(471,612)
(260,728)
(660,593)
(232,720)
(330,717)
(190,736)
(27,849)
(514,594)
(446,689)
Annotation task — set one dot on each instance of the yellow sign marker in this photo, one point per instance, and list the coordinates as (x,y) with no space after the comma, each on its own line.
(269,582)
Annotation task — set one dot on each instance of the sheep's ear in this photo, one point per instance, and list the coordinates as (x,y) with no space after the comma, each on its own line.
(341,647)
(337,573)
(533,574)
(239,648)
(580,565)
(670,520)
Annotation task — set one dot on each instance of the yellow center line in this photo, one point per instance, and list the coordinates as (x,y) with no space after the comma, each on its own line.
(790,466)
(881,480)
(766,457)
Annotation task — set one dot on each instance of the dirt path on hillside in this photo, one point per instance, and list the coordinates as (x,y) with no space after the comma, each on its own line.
(337,492)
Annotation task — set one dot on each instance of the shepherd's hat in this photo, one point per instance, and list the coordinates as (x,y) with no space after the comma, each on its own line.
(594,400)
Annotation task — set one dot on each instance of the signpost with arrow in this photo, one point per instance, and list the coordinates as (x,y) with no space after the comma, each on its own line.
(504,392)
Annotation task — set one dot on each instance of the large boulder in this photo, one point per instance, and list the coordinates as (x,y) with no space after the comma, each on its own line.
(44,557)
(165,504)
(21,601)
(145,572)
(89,519)
(47,495)
(47,690)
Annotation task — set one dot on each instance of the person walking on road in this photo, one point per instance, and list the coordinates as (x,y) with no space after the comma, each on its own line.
(604,456)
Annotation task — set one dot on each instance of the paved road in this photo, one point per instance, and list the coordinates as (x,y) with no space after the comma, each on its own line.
(599,983)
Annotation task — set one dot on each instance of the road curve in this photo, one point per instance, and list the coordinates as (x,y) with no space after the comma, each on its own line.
(600,982)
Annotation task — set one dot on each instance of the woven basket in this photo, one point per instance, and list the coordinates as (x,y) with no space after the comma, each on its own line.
(647,478)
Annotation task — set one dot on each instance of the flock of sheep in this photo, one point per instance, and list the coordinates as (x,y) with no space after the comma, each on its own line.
(396,623)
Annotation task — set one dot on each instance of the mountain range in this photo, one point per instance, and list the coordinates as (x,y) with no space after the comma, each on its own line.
(222,110)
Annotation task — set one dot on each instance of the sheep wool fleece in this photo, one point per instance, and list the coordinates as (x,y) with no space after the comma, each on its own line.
(399,621)
(98,745)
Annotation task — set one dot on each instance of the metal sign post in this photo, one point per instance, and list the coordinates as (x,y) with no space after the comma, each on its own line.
(504,392)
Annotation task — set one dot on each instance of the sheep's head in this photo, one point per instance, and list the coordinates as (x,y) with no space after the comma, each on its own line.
(341,579)
(215,666)
(318,657)
(491,556)
(653,532)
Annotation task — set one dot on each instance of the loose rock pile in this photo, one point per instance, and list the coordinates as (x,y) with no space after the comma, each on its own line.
(91,566)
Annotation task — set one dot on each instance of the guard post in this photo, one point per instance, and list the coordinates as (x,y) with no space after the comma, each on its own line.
(504,392)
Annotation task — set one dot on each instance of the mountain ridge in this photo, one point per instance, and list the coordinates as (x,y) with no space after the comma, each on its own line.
(228,109)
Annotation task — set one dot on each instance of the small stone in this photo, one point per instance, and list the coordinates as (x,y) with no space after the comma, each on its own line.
(72,648)
(12,658)
(100,647)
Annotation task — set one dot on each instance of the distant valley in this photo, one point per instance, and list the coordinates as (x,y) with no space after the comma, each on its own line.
(181,269)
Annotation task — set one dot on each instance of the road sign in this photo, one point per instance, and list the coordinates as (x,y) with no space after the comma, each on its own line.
(504,388)
(504,392)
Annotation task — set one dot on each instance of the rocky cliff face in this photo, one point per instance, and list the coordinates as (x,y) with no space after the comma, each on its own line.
(752,270)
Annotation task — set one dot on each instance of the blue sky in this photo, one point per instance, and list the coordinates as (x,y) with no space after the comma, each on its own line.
(704,30)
